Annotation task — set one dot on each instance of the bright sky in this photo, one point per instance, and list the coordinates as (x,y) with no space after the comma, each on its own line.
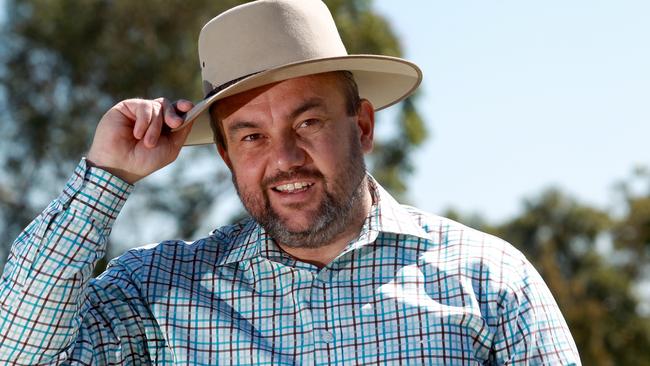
(523,95)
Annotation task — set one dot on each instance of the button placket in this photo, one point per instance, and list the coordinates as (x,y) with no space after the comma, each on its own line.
(323,334)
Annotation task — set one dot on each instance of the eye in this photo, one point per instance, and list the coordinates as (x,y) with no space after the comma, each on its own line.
(252,137)
(309,122)
(310,125)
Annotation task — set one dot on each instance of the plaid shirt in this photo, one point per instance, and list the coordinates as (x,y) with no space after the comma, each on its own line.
(413,288)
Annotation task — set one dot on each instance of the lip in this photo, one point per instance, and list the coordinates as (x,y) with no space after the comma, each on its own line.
(303,183)
(299,196)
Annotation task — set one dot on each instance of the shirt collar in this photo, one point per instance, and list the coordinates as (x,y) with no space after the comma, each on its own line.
(237,242)
(247,239)
(386,216)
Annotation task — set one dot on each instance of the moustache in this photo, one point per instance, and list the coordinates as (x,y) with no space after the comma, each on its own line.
(296,174)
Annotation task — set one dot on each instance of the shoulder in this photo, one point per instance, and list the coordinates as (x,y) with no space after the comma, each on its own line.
(177,256)
(454,250)
(513,300)
(454,237)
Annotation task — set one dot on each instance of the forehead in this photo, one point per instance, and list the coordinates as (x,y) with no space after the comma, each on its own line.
(326,86)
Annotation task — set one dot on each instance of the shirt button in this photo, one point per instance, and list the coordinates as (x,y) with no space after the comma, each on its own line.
(326,336)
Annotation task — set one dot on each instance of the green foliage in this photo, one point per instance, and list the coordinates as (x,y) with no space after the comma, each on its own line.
(391,157)
(568,244)
(632,232)
(64,63)
(364,32)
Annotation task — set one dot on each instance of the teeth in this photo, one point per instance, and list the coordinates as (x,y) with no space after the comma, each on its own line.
(292,186)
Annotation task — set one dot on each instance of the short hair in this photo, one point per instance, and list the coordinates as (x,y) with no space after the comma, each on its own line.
(350,93)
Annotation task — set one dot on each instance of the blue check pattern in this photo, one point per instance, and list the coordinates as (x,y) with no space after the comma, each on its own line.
(413,288)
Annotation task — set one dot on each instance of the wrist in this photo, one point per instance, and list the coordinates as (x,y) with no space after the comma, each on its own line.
(115,171)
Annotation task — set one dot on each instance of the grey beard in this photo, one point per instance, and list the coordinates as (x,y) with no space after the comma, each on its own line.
(331,220)
(343,203)
(333,217)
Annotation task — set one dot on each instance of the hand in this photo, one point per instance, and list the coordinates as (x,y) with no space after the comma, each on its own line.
(128,141)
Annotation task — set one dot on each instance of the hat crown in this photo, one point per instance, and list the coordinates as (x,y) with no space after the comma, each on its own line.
(263,35)
(268,41)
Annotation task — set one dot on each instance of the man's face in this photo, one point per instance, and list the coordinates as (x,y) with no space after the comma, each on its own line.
(297,157)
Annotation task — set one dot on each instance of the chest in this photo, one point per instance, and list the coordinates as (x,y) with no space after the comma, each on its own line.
(271,314)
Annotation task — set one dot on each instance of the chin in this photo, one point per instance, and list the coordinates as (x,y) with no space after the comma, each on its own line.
(297,226)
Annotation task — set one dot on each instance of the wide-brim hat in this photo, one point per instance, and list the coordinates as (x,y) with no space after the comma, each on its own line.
(268,41)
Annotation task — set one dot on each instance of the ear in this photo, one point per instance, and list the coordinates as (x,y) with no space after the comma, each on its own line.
(366,124)
(223,152)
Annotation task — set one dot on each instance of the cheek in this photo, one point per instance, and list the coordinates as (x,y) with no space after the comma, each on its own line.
(332,152)
(249,171)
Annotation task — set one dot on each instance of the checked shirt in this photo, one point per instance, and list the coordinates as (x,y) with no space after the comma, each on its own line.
(413,288)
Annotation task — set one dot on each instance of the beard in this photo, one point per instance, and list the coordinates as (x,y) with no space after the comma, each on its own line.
(341,205)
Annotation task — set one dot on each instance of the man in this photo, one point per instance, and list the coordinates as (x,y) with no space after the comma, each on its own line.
(329,269)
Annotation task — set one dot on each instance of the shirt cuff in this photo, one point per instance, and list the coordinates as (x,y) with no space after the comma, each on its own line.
(95,193)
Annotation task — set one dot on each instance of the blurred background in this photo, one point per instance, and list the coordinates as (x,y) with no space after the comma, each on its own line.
(531,124)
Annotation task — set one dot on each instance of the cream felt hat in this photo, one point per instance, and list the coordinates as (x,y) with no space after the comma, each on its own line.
(267,41)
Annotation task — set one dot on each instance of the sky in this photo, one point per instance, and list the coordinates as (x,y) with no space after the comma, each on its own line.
(520,96)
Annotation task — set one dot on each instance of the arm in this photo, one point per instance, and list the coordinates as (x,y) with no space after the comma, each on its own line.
(118,327)
(531,329)
(44,282)
(44,279)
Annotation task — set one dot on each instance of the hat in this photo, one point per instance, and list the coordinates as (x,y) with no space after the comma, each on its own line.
(268,41)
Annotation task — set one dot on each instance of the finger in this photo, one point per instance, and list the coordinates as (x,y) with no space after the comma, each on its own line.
(183,105)
(124,108)
(143,114)
(172,118)
(153,131)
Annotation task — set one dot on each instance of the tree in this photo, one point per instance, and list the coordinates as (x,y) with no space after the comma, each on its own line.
(66,62)
(567,242)
(632,231)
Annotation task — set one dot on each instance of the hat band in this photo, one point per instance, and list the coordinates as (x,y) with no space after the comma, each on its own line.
(227,84)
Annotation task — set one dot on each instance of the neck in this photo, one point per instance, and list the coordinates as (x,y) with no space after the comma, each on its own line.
(323,255)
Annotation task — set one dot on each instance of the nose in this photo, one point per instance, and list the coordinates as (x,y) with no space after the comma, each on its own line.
(287,154)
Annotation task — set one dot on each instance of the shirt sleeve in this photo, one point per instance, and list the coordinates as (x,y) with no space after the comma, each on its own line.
(117,325)
(42,290)
(531,329)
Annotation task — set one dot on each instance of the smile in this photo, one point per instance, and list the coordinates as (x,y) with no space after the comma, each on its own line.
(293,187)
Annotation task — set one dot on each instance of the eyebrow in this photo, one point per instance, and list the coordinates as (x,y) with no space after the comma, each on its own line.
(309,104)
(313,103)
(240,125)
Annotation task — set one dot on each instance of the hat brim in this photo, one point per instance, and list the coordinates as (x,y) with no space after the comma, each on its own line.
(383,80)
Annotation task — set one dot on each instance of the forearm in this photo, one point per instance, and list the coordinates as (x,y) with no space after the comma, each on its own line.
(50,264)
